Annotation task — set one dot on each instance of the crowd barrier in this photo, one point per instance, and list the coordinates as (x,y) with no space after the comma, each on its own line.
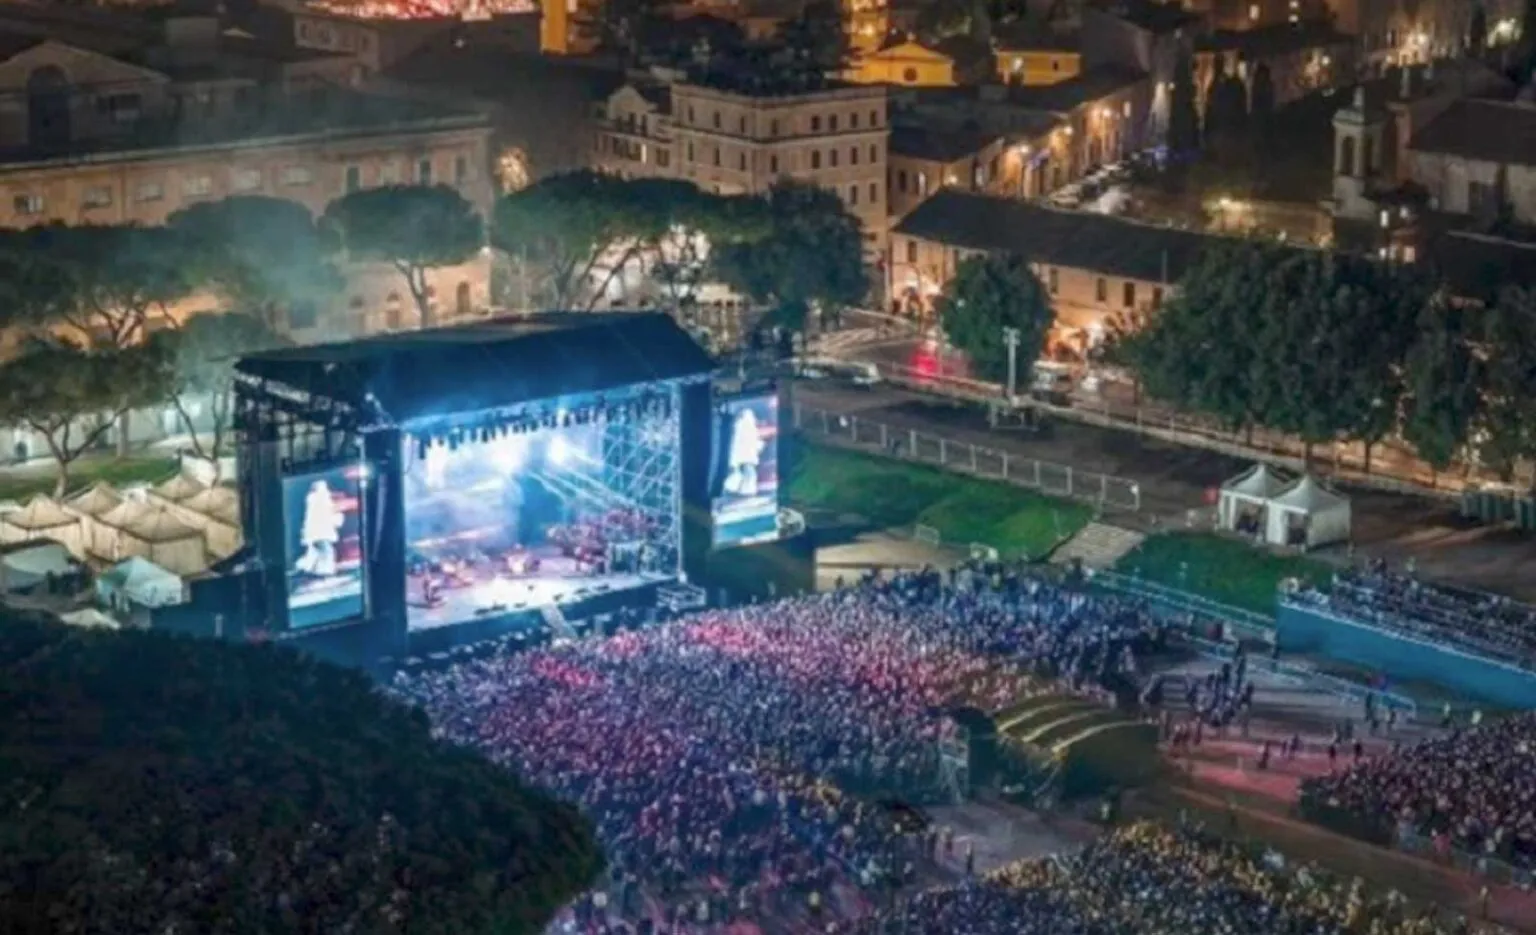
(1401,656)
(1107,491)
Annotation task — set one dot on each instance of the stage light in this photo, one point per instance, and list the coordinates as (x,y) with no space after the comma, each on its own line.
(559,451)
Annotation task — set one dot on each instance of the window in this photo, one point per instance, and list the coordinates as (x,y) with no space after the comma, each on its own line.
(909,75)
(853,194)
(853,120)
(389,173)
(1125,110)
(853,155)
(832,124)
(1101,290)
(717,156)
(741,161)
(196,185)
(773,128)
(246,180)
(1347,156)
(874,118)
(815,159)
(911,251)
(1254,11)
(690,113)
(922,185)
(690,152)
(815,124)
(298,175)
(149,191)
(773,164)
(424,172)
(460,170)
(716,119)
(874,154)
(901,180)
(96,196)
(1052,280)
(1482,199)
(1157,296)
(874,193)
(832,158)
(119,108)
(741,125)
(1128,294)
(354,179)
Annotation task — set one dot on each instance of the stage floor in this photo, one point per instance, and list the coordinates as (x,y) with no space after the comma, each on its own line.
(557,582)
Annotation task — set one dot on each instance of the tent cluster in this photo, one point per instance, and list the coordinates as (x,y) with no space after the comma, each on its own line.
(181,525)
(1302,512)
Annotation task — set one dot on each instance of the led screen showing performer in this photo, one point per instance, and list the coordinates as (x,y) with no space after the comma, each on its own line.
(324,546)
(745,492)
(519,516)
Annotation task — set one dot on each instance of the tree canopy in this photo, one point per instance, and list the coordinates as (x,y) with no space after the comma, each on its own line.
(206,347)
(414,228)
(991,292)
(154,783)
(258,253)
(812,257)
(1183,116)
(71,395)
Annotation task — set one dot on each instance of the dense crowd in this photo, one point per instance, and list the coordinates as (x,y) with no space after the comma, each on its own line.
(1144,879)
(1474,787)
(716,753)
(1485,623)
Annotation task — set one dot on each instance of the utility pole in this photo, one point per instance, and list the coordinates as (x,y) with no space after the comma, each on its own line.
(1011,338)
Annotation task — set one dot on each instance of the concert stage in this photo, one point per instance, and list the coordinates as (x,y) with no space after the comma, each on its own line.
(441,485)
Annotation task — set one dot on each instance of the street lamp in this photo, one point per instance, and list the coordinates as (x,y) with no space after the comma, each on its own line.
(1011,338)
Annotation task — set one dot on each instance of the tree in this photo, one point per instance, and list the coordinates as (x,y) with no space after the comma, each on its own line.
(414,228)
(1262,109)
(813,257)
(1507,421)
(1442,383)
(1226,117)
(572,234)
(693,225)
(627,28)
(816,42)
(1477,30)
(116,278)
(72,395)
(1203,351)
(206,348)
(989,293)
(261,254)
(235,789)
(1183,117)
(37,288)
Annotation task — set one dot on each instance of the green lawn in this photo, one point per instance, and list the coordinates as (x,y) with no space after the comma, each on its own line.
(21,483)
(1220,568)
(891,493)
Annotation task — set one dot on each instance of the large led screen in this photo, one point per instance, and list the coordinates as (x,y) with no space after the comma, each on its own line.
(323,525)
(744,488)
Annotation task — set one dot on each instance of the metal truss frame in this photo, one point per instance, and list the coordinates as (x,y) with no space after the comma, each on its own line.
(642,464)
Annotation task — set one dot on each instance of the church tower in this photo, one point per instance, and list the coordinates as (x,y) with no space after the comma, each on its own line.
(1359,136)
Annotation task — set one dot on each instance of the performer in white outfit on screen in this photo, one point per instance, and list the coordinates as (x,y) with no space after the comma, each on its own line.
(320,531)
(746,451)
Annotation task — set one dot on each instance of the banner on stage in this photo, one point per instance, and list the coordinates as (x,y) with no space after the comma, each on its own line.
(324,555)
(744,494)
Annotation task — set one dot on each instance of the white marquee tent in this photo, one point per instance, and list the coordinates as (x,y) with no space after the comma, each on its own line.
(215,512)
(179,488)
(105,531)
(159,535)
(94,500)
(1249,492)
(1317,515)
(139,582)
(42,518)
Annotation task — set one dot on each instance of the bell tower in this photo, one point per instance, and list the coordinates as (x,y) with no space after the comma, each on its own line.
(1359,134)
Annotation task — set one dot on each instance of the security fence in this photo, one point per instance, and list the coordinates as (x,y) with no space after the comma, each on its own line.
(1105,490)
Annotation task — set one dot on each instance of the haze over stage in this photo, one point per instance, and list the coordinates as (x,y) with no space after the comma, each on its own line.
(499,362)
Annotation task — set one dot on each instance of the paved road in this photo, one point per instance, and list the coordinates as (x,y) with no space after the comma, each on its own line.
(1175,478)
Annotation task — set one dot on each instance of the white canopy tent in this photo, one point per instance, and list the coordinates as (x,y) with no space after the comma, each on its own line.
(160,536)
(215,512)
(1248,493)
(1309,515)
(139,582)
(179,488)
(42,518)
(106,531)
(94,500)
(91,618)
(29,564)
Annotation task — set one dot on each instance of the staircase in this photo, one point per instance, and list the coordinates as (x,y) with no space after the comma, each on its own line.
(1097,545)
(556,622)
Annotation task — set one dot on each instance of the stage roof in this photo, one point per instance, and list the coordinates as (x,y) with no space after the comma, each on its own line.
(499,362)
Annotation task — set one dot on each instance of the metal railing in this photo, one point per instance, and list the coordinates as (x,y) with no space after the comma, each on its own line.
(1245,623)
(1106,491)
(1490,868)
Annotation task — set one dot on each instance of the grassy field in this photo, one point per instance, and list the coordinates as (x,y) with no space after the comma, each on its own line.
(1220,568)
(21,483)
(890,493)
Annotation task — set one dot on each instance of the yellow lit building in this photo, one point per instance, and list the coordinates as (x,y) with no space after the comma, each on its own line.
(1036,58)
(906,62)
